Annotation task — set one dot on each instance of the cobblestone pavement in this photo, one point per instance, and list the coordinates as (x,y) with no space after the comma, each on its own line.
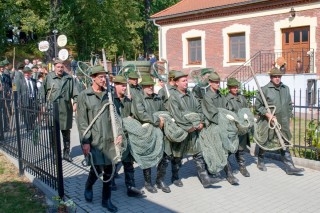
(271,191)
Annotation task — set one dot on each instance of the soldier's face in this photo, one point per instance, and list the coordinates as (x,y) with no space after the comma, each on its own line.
(132,81)
(1,69)
(233,90)
(27,74)
(58,69)
(182,83)
(215,85)
(276,79)
(100,79)
(148,89)
(121,89)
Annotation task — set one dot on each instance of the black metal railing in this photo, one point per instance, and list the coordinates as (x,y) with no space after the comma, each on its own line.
(297,61)
(29,131)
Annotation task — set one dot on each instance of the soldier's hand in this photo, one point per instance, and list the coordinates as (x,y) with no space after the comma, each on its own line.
(74,107)
(129,96)
(118,140)
(161,122)
(86,149)
(200,127)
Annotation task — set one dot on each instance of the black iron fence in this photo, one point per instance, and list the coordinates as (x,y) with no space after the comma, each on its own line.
(305,124)
(29,131)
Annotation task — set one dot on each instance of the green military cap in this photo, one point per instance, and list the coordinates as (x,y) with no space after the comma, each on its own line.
(275,71)
(172,73)
(5,62)
(179,74)
(34,67)
(26,69)
(232,82)
(206,70)
(1,64)
(97,69)
(133,75)
(147,80)
(44,66)
(214,77)
(119,79)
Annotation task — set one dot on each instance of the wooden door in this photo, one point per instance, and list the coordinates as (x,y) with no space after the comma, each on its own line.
(295,47)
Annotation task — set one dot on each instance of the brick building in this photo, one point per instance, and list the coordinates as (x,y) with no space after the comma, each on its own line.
(231,35)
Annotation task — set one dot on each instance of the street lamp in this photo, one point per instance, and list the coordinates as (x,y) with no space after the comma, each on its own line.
(55,32)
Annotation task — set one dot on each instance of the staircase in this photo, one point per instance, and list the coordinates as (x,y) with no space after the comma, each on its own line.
(263,61)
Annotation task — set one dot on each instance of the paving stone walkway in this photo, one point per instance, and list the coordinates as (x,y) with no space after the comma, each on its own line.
(271,191)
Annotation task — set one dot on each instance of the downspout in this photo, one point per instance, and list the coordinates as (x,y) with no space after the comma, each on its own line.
(160,38)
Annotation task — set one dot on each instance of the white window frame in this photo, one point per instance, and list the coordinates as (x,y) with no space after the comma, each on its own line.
(189,35)
(234,29)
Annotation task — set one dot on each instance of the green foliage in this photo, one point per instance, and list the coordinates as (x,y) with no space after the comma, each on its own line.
(313,133)
(119,26)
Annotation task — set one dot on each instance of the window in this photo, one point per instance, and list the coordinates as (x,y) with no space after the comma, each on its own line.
(237,47)
(194,50)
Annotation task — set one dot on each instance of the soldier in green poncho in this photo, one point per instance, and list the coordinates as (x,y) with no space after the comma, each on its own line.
(143,107)
(181,103)
(278,95)
(163,93)
(201,87)
(135,88)
(60,87)
(97,140)
(213,100)
(123,108)
(235,102)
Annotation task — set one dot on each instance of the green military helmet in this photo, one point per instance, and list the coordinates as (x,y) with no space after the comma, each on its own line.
(26,69)
(147,80)
(275,71)
(206,70)
(172,73)
(214,77)
(96,70)
(5,62)
(232,82)
(179,74)
(119,79)
(133,75)
(34,67)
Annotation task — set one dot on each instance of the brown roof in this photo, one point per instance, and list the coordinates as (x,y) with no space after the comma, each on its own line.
(185,6)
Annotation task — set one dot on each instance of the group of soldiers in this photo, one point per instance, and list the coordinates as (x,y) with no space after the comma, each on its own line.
(138,105)
(145,130)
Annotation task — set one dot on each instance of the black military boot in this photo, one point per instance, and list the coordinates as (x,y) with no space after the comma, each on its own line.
(203,175)
(260,163)
(230,178)
(88,192)
(106,194)
(147,181)
(66,151)
(161,173)
(132,191)
(289,165)
(175,167)
(242,164)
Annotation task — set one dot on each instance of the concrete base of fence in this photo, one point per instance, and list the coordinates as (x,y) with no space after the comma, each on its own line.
(306,163)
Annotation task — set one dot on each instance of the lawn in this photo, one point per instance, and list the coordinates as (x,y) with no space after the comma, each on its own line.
(17,194)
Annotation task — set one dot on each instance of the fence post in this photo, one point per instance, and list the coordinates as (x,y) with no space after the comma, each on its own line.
(1,116)
(57,145)
(16,113)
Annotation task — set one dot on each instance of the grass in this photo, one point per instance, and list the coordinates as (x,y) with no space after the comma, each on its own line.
(17,194)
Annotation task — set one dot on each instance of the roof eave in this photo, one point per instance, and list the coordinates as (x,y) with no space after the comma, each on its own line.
(206,10)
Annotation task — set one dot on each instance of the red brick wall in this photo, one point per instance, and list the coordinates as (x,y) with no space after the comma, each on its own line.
(262,37)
